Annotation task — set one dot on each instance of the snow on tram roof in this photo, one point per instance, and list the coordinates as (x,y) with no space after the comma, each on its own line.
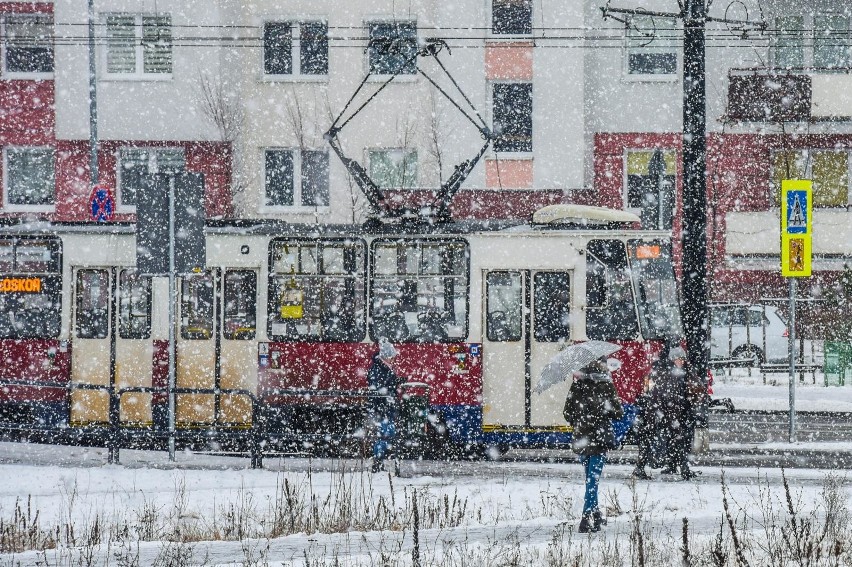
(582,215)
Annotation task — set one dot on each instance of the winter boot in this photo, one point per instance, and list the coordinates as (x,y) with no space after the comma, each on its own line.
(688,474)
(599,519)
(378,466)
(588,525)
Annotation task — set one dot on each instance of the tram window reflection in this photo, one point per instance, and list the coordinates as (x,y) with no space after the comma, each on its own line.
(134,305)
(610,303)
(240,313)
(317,290)
(504,306)
(419,290)
(552,306)
(92,314)
(197,307)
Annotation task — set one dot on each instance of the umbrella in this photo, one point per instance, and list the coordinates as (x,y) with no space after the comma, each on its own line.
(571,359)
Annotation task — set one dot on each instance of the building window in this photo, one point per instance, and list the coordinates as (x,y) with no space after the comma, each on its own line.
(136,164)
(30,179)
(394,168)
(829,170)
(28,44)
(393,48)
(794,45)
(295,48)
(650,50)
(284,167)
(138,45)
(511,17)
(512,117)
(651,186)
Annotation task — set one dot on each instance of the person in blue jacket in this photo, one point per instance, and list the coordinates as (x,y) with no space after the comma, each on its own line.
(382,382)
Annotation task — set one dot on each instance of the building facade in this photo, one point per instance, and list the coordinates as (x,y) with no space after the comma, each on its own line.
(582,109)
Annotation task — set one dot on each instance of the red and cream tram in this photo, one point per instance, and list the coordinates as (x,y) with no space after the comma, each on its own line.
(284,321)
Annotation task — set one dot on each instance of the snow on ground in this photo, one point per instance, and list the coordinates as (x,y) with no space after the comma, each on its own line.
(749,389)
(468,511)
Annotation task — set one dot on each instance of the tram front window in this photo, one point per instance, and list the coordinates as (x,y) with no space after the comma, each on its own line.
(316,290)
(30,288)
(610,307)
(654,278)
(419,290)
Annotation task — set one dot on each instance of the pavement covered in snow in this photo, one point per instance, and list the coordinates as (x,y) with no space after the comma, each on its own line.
(750,389)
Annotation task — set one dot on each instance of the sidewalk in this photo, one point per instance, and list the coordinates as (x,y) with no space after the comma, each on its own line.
(750,392)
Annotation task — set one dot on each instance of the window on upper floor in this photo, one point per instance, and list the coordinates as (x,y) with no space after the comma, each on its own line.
(134,165)
(296,178)
(829,170)
(295,48)
(392,48)
(651,48)
(27,44)
(394,168)
(29,178)
(818,40)
(512,122)
(511,17)
(650,186)
(138,45)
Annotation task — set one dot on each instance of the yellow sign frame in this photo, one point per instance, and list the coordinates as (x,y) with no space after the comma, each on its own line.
(796,241)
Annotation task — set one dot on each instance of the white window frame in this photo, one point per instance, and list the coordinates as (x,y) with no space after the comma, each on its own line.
(650,48)
(489,12)
(385,19)
(297,183)
(4,72)
(808,40)
(119,169)
(295,50)
(14,207)
(395,149)
(139,74)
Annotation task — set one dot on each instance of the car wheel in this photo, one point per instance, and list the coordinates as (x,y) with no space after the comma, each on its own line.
(752,355)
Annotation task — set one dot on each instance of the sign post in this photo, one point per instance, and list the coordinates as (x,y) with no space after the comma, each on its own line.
(796,223)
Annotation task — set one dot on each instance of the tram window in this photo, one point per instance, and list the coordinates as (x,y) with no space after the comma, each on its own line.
(316,290)
(419,290)
(654,277)
(610,304)
(196,307)
(240,313)
(30,288)
(552,306)
(134,305)
(504,297)
(92,315)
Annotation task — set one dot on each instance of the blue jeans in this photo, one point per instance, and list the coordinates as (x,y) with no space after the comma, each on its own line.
(385,431)
(593,466)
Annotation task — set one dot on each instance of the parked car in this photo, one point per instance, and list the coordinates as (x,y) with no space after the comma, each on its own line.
(748,334)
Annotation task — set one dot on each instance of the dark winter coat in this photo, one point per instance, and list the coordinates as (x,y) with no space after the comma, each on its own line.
(382,380)
(668,398)
(591,406)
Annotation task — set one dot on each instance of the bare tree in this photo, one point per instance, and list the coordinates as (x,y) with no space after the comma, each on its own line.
(221,104)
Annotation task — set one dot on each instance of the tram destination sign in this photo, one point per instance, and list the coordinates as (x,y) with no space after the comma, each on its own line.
(152,224)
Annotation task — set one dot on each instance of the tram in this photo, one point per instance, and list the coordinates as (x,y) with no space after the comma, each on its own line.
(279,329)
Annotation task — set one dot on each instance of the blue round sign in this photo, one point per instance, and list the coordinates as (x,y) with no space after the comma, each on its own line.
(102,203)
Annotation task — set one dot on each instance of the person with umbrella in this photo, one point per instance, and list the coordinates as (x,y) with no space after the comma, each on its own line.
(590,408)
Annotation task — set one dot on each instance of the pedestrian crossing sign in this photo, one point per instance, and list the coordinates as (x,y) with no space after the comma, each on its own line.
(796,206)
(796,221)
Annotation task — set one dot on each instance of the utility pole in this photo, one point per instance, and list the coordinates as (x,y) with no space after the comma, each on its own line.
(694,15)
(93,99)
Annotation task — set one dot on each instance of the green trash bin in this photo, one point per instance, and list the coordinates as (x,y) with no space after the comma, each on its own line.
(412,422)
(837,363)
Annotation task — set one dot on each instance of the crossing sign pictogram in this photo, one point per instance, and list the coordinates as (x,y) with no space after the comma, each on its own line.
(102,203)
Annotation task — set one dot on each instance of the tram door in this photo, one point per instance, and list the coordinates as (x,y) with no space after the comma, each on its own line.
(527,322)
(216,347)
(111,344)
